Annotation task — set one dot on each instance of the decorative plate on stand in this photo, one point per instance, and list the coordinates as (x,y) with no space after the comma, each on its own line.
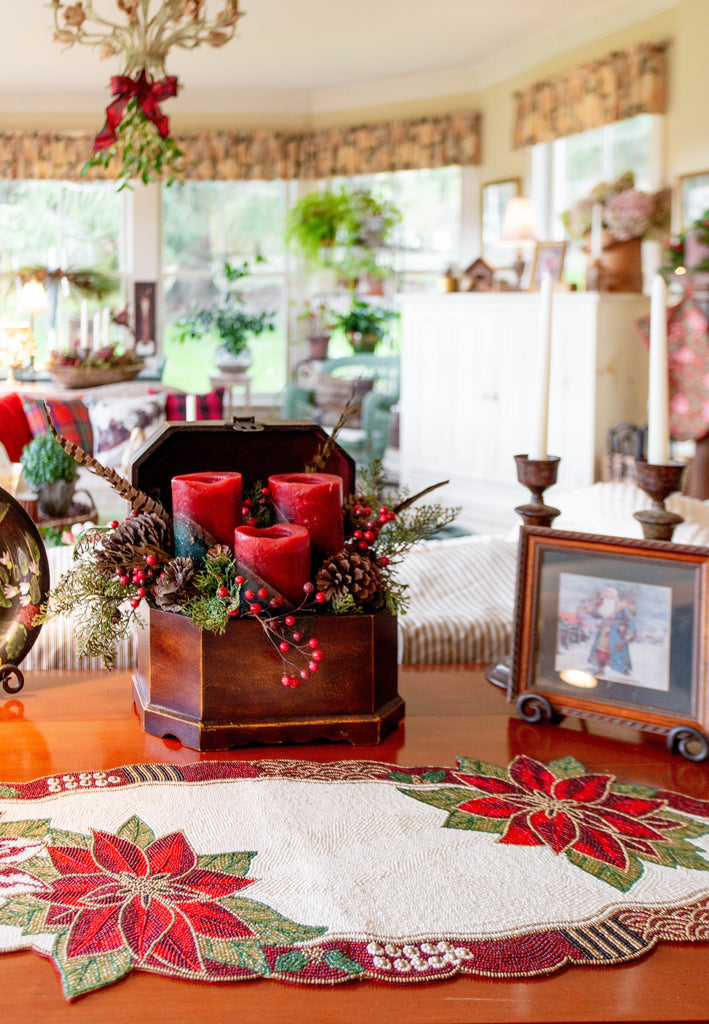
(24,586)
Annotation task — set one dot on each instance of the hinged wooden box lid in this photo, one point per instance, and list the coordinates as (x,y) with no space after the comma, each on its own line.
(256,450)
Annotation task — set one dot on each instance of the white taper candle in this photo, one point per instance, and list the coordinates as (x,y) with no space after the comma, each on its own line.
(658,406)
(538,443)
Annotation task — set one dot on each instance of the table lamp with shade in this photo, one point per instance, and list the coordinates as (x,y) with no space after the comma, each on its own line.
(17,345)
(33,300)
(519,228)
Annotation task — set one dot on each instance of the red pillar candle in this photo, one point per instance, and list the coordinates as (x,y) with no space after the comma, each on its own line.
(277,556)
(206,508)
(313,500)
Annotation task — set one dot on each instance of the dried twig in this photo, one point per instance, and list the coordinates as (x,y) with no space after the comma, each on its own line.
(415,497)
(138,499)
(319,460)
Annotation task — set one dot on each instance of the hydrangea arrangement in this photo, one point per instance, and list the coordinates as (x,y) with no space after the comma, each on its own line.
(626,212)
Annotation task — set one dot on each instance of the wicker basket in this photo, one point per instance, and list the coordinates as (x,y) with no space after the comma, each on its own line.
(93,376)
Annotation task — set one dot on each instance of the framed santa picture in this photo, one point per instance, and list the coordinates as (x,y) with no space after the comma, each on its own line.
(613,628)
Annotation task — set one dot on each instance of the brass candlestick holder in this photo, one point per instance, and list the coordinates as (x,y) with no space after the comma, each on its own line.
(658,481)
(537,475)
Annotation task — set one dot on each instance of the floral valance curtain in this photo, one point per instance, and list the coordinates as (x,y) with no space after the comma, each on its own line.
(266,155)
(619,85)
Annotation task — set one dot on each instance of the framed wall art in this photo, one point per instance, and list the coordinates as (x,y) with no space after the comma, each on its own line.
(616,629)
(693,198)
(145,334)
(494,197)
(548,259)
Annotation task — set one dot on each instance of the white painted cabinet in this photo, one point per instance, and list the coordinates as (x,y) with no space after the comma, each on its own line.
(468,373)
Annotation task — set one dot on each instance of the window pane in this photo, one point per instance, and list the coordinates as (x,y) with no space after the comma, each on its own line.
(204,224)
(581,161)
(428,237)
(59,224)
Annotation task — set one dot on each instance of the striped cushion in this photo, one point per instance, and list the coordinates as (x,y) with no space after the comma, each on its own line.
(70,417)
(461,608)
(54,647)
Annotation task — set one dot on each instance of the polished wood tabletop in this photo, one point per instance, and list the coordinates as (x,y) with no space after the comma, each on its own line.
(78,721)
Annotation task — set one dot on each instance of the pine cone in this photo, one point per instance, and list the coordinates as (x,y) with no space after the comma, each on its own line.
(174,587)
(219,549)
(349,572)
(127,545)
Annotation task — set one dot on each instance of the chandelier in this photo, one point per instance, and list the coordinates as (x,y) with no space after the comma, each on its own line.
(136,130)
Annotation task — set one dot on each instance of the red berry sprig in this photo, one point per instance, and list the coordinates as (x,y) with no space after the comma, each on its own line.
(287,639)
(367,527)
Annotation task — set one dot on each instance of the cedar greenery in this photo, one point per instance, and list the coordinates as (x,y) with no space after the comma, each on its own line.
(107,617)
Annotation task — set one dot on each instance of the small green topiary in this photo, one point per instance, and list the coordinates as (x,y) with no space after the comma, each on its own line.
(44,461)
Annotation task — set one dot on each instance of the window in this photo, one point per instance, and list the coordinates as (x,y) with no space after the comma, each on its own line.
(58,224)
(205,223)
(579,162)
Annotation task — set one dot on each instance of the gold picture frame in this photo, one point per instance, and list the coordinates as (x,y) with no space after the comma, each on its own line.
(660,595)
(692,198)
(494,197)
(549,259)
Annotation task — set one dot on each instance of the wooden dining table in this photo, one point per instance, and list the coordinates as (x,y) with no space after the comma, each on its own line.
(79,721)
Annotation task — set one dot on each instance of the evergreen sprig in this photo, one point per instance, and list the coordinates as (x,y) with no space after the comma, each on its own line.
(209,610)
(142,152)
(260,505)
(413,523)
(106,616)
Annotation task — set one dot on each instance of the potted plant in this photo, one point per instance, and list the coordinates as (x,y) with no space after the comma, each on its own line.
(318,320)
(342,230)
(627,216)
(228,319)
(51,472)
(364,325)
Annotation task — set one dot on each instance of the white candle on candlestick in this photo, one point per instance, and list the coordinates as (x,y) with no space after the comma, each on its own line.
(104,326)
(538,444)
(596,228)
(658,406)
(190,408)
(84,329)
(96,339)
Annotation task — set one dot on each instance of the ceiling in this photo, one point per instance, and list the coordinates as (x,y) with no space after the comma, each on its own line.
(310,56)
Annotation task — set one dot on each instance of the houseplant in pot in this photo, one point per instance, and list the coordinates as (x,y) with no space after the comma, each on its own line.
(342,230)
(51,472)
(365,325)
(228,319)
(318,321)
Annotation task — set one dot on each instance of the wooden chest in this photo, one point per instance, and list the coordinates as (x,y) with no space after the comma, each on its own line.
(213,691)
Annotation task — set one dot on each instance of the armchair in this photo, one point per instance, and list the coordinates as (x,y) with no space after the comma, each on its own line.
(368,435)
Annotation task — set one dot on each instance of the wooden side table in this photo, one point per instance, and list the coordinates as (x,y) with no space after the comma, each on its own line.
(229,381)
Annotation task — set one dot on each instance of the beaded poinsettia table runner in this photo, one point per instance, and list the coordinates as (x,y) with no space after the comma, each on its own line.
(323,873)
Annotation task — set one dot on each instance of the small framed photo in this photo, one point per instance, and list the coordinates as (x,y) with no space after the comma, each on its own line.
(494,197)
(145,334)
(693,198)
(613,628)
(548,259)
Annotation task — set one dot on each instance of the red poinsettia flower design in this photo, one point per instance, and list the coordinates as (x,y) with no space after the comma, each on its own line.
(14,880)
(152,901)
(579,813)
